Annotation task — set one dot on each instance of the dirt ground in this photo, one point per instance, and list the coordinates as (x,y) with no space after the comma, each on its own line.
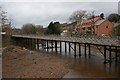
(19,62)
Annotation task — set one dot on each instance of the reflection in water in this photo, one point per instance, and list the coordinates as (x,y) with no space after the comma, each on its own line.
(88,67)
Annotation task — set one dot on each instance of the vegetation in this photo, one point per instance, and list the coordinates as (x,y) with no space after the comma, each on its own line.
(102,15)
(116,30)
(40,30)
(5,28)
(114,18)
(77,15)
(6,38)
(54,28)
(28,29)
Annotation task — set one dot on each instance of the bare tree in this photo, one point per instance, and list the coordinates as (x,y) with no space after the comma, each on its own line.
(3,17)
(5,24)
(78,15)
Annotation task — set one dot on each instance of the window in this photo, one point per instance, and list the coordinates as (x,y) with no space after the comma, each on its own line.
(89,28)
(106,26)
(83,28)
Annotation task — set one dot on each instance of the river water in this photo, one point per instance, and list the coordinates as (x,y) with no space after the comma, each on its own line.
(88,67)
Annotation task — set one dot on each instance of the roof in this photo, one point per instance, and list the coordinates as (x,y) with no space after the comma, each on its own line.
(99,22)
(91,20)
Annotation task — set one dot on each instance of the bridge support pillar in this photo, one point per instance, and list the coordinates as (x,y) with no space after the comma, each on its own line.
(104,54)
(110,54)
(47,46)
(34,44)
(30,44)
(116,54)
(65,47)
(52,45)
(75,49)
(60,46)
(42,44)
(79,49)
(69,47)
(85,49)
(56,46)
(89,49)
(38,44)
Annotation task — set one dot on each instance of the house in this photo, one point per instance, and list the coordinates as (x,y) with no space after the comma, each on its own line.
(64,33)
(96,25)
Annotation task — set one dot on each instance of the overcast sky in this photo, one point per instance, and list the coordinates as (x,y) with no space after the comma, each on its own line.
(43,12)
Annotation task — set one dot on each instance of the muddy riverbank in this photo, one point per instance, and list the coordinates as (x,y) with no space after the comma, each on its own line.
(19,62)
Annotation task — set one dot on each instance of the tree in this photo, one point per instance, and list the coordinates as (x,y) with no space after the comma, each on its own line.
(102,15)
(54,28)
(114,17)
(28,29)
(116,30)
(57,26)
(77,15)
(40,30)
(5,27)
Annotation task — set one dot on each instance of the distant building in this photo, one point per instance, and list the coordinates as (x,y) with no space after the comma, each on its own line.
(96,25)
(64,33)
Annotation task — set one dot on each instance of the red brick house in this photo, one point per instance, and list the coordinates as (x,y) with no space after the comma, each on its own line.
(96,26)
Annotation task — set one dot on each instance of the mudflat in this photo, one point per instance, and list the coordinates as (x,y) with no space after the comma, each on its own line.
(19,62)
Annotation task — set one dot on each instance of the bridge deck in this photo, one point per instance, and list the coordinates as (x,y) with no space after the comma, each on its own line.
(96,41)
